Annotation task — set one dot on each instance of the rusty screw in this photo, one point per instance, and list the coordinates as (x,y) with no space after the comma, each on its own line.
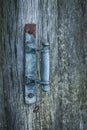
(30,95)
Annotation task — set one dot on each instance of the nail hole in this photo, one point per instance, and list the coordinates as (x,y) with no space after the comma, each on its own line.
(36,109)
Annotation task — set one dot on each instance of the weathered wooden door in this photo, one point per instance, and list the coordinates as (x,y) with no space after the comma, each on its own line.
(63,23)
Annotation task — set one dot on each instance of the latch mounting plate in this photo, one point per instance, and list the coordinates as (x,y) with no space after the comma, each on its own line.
(30,63)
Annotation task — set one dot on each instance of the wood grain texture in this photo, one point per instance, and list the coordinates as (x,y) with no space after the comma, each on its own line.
(63,23)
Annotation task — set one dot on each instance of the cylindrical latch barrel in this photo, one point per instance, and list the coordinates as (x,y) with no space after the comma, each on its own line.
(45,67)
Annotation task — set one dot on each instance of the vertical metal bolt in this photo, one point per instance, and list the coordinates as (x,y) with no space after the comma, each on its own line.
(45,66)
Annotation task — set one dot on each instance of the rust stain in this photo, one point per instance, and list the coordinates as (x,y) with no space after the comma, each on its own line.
(30,28)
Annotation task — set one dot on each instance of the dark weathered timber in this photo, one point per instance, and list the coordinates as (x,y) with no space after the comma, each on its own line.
(63,23)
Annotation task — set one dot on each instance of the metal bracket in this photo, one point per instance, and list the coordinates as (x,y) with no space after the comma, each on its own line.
(30,64)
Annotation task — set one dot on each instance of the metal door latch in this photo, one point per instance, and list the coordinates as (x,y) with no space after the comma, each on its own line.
(30,64)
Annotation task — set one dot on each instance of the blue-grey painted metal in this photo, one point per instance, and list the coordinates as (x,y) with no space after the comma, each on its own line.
(45,67)
(30,68)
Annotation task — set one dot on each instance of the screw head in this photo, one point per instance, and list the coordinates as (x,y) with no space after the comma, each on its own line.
(30,95)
